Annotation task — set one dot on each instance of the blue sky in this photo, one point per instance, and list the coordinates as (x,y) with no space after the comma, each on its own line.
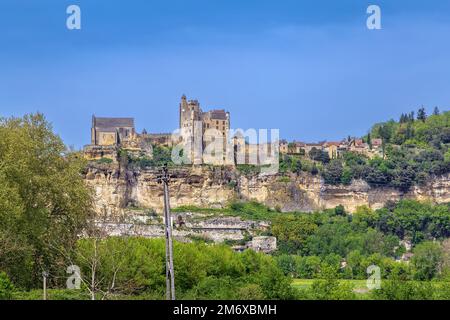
(310,68)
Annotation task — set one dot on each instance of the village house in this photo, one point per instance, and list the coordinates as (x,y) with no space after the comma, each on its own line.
(363,148)
(333,148)
(284,146)
(358,146)
(377,143)
(309,146)
(297,147)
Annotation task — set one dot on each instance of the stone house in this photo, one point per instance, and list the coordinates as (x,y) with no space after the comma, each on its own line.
(377,143)
(284,147)
(298,147)
(309,146)
(358,146)
(332,148)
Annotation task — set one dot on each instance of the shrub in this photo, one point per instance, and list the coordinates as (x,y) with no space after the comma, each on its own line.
(201,271)
(6,287)
(104,161)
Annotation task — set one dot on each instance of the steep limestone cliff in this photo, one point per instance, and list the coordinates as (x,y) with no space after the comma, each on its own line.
(116,188)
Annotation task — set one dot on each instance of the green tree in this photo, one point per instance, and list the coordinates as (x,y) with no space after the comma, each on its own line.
(369,140)
(403,178)
(421,114)
(317,154)
(44,201)
(298,166)
(308,266)
(379,173)
(355,264)
(339,210)
(397,289)
(332,173)
(250,292)
(288,264)
(427,260)
(328,286)
(347,176)
(135,266)
(292,231)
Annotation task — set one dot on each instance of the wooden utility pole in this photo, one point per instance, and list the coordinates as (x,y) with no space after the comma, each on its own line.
(164,178)
(44,279)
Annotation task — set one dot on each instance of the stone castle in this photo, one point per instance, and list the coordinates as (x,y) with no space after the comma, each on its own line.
(110,134)
(198,131)
(191,113)
(201,131)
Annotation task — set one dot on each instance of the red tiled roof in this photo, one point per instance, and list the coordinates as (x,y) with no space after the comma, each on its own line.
(333,143)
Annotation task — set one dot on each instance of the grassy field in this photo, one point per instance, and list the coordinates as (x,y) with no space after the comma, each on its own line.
(360,286)
(305,283)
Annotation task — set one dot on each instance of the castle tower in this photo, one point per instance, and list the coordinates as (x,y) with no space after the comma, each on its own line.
(194,122)
(183,110)
(190,118)
(93,133)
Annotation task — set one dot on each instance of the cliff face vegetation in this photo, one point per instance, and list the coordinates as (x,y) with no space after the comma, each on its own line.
(214,187)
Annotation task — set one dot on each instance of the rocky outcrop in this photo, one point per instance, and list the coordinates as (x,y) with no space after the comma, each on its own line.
(115,188)
(263,244)
(186,226)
